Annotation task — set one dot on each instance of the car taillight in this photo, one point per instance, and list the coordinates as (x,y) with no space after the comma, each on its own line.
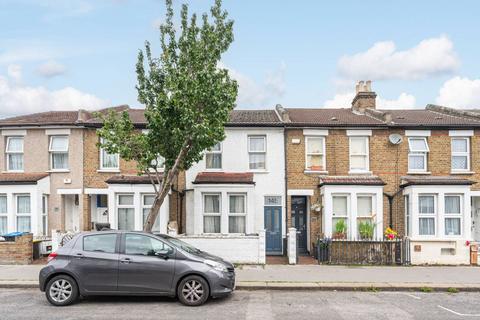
(52,256)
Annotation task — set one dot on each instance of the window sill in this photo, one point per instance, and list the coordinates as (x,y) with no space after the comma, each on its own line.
(315,171)
(214,170)
(463,172)
(14,171)
(58,171)
(109,170)
(419,172)
(258,171)
(363,172)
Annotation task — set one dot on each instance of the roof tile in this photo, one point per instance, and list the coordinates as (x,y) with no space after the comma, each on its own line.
(21,178)
(224,177)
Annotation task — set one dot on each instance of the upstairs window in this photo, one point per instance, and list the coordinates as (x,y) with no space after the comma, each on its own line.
(359,154)
(417,156)
(213,157)
(158,163)
(109,161)
(58,149)
(14,153)
(460,154)
(315,153)
(257,150)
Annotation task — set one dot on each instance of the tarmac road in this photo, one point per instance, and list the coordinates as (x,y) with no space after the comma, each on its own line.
(275,304)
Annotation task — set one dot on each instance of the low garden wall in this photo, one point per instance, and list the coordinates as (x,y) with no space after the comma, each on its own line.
(440,252)
(19,251)
(248,249)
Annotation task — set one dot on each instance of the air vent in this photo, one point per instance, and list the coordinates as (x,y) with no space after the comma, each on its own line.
(438,118)
(400,117)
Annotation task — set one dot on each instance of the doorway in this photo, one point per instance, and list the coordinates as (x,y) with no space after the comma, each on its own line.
(72,212)
(273,229)
(299,221)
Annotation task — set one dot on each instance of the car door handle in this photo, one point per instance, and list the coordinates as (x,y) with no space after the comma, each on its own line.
(125,260)
(79,256)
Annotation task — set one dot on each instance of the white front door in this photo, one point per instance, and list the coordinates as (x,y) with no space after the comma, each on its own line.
(72,213)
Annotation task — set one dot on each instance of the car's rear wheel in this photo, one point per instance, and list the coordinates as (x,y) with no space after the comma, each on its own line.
(193,291)
(61,290)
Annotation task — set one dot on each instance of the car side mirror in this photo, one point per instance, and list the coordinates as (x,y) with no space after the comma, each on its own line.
(164,254)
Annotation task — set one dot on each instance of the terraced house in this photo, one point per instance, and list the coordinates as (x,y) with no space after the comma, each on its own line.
(325,172)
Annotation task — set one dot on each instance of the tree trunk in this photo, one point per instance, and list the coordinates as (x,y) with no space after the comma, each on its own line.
(163,191)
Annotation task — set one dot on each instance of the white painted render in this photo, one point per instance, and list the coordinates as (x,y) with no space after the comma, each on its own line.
(235,158)
(36,191)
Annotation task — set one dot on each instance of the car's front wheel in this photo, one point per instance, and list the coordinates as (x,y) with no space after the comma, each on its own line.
(61,290)
(193,291)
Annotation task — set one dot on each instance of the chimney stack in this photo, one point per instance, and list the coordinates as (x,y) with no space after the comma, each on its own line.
(365,97)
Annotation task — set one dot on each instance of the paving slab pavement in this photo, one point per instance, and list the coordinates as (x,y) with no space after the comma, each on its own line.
(312,277)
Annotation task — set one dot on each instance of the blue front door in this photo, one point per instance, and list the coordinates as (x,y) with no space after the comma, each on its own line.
(273,227)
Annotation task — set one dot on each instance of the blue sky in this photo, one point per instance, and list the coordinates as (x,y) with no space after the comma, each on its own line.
(57,55)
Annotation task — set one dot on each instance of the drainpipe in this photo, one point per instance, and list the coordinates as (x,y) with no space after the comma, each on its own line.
(390,198)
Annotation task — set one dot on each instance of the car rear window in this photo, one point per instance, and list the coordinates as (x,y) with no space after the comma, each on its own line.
(100,243)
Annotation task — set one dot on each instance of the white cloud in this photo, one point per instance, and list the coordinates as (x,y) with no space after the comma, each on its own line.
(252,94)
(15,99)
(383,61)
(344,100)
(51,69)
(14,71)
(460,92)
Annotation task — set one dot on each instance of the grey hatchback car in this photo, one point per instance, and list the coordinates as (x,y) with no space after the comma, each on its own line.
(134,263)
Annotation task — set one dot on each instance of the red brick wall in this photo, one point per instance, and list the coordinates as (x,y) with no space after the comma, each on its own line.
(19,251)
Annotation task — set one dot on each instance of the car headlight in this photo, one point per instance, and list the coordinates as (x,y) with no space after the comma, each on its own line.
(216,265)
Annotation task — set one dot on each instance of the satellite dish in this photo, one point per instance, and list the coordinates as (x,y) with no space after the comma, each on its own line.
(395,138)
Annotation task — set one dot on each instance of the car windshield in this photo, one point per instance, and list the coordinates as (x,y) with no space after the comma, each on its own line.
(183,245)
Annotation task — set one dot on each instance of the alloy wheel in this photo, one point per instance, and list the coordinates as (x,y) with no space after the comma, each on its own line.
(192,291)
(61,290)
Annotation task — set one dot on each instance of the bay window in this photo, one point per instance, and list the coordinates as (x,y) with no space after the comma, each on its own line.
(359,158)
(147,203)
(453,215)
(125,212)
(365,223)
(417,156)
(315,153)
(257,150)
(460,154)
(211,213)
(58,149)
(427,212)
(3,214)
(213,157)
(14,154)
(23,212)
(237,213)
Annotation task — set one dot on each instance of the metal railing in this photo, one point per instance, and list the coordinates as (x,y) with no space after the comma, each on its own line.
(365,252)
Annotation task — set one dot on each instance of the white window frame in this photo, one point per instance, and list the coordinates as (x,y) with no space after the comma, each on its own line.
(8,153)
(44,216)
(371,217)
(237,214)
(125,206)
(5,214)
(366,155)
(424,153)
(17,214)
(146,206)
(456,215)
(102,165)
(408,215)
(433,215)
(52,152)
(322,153)
(347,217)
(210,214)
(264,151)
(462,154)
(213,152)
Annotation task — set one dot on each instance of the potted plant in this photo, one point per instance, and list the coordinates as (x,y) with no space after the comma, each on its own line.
(340,230)
(390,234)
(366,230)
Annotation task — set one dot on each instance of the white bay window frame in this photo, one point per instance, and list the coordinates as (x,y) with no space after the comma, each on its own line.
(212,213)
(146,206)
(23,214)
(3,213)
(237,215)
(125,206)
(428,215)
(452,215)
